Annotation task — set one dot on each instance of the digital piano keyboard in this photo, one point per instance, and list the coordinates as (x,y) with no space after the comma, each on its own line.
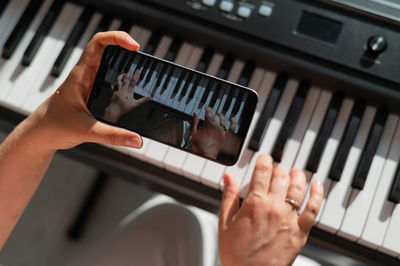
(327,76)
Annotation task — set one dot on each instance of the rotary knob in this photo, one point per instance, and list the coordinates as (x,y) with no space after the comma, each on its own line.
(376,44)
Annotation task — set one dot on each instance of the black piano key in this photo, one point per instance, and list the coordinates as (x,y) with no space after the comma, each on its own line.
(226,67)
(290,121)
(178,83)
(103,25)
(152,68)
(186,86)
(205,60)
(238,102)
(3,5)
(324,133)
(145,65)
(246,74)
(153,42)
(161,73)
(267,112)
(124,60)
(22,25)
(142,59)
(128,63)
(125,26)
(173,50)
(72,41)
(370,149)
(216,93)
(42,31)
(347,141)
(394,194)
(194,88)
(207,91)
(229,100)
(170,73)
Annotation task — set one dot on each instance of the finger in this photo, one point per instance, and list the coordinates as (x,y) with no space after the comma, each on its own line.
(134,79)
(142,101)
(126,79)
(230,201)
(232,127)
(221,120)
(107,134)
(119,80)
(195,123)
(95,48)
(297,186)
(262,175)
(209,115)
(307,217)
(279,184)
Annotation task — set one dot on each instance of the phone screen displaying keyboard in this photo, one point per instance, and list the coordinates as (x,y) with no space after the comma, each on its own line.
(171,104)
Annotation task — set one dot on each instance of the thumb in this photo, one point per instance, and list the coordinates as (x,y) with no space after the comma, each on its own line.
(230,201)
(106,134)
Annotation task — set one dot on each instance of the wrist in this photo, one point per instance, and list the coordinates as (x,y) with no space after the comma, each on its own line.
(113,112)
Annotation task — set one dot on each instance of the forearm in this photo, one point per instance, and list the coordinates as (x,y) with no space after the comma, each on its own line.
(22,165)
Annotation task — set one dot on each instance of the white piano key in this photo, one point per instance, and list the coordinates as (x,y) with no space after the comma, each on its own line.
(135,32)
(160,52)
(312,130)
(360,201)
(194,164)
(9,66)
(391,243)
(156,152)
(272,132)
(175,158)
(339,192)
(238,117)
(330,149)
(163,46)
(44,58)
(261,82)
(293,143)
(54,83)
(40,90)
(381,208)
(181,58)
(212,172)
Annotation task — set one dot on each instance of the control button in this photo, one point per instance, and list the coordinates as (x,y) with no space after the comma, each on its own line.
(376,44)
(208,2)
(244,11)
(226,6)
(265,10)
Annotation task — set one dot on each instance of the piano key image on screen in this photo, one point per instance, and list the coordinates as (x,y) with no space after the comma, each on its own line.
(173,105)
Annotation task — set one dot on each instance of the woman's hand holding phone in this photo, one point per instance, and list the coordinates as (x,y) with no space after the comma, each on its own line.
(65,119)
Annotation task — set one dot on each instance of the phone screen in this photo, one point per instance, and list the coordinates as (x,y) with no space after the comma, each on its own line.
(172,104)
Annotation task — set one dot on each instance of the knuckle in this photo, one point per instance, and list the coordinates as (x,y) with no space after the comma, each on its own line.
(313,208)
(254,201)
(275,211)
(280,173)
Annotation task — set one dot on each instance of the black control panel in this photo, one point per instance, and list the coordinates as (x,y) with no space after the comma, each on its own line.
(312,27)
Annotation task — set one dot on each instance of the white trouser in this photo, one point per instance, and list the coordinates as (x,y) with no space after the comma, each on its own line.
(161,232)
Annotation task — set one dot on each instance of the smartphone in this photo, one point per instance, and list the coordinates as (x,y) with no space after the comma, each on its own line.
(172,104)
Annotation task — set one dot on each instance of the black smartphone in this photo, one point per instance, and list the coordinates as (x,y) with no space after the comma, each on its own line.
(172,104)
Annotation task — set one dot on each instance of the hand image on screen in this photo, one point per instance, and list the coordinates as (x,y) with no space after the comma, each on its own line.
(210,138)
(122,100)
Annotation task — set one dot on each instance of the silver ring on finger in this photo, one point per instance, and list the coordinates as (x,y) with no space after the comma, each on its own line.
(295,205)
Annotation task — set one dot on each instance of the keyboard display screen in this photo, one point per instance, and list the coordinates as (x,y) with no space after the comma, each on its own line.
(172,104)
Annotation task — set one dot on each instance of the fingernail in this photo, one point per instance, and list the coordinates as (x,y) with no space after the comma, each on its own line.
(132,41)
(319,184)
(134,143)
